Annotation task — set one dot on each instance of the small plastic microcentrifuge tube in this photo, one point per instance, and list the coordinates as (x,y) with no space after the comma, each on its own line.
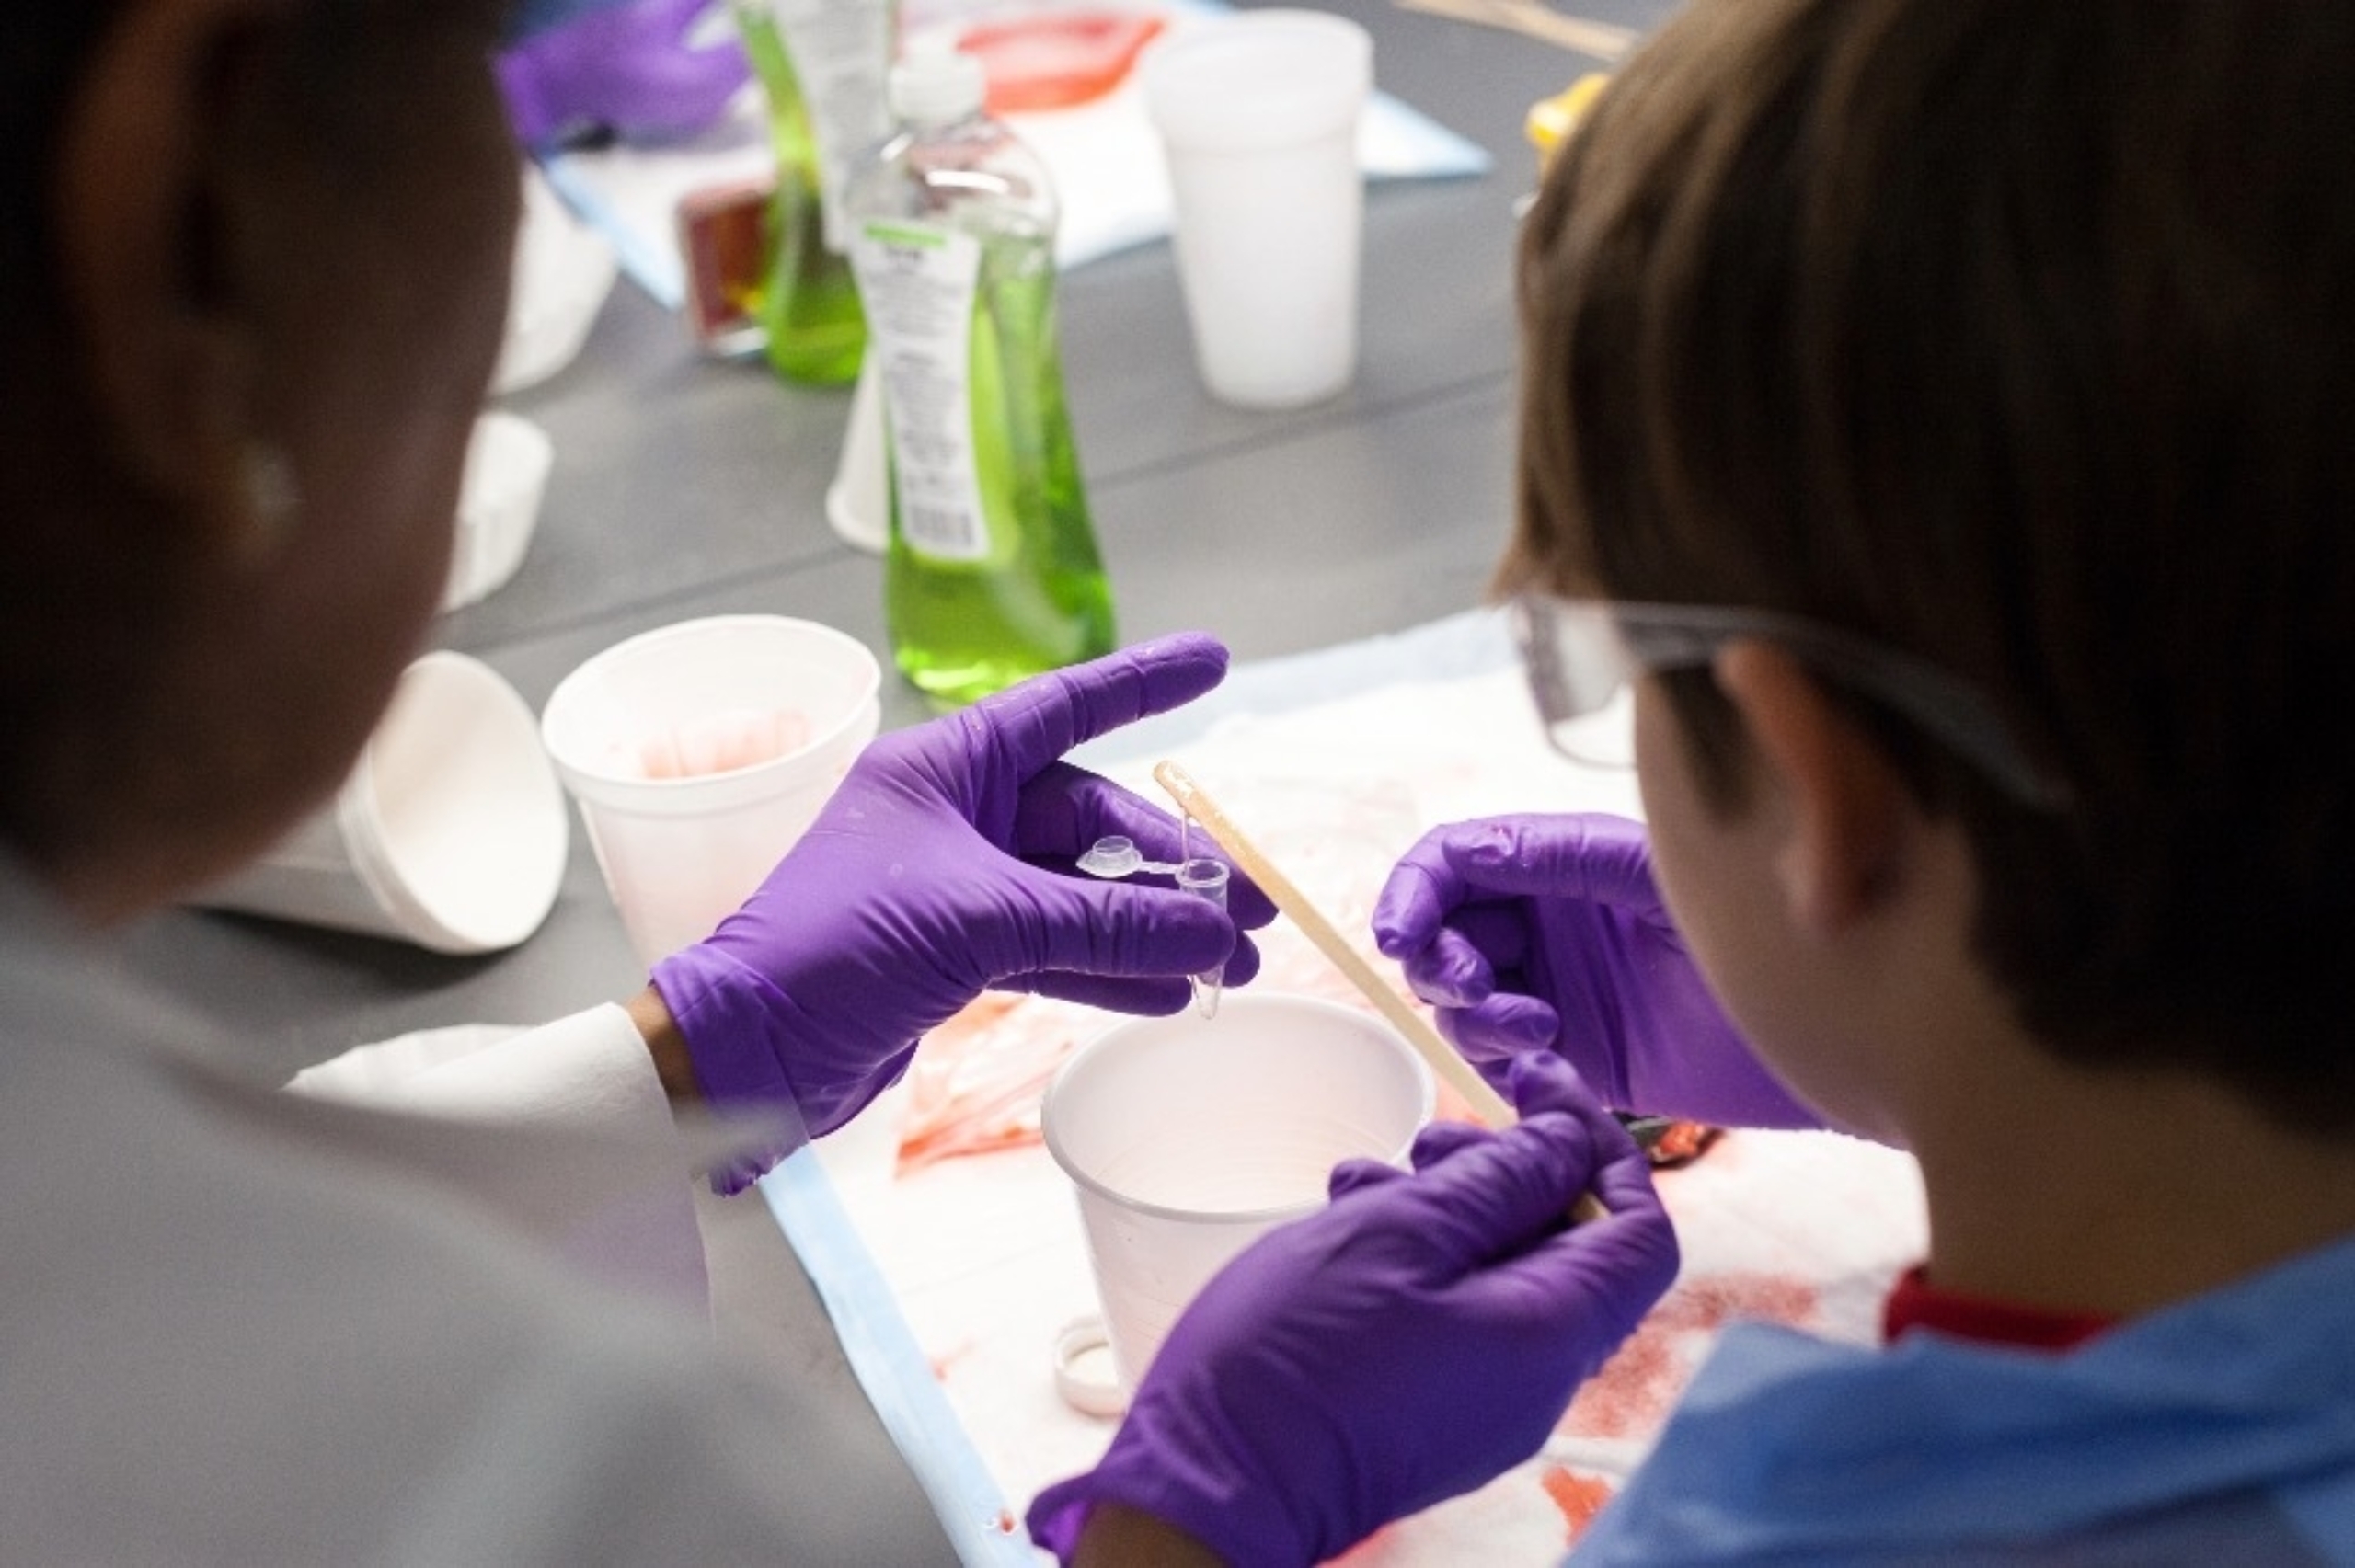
(1206,878)
(1114,857)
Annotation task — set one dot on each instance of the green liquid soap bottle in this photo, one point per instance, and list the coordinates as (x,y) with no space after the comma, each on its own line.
(820,64)
(991,572)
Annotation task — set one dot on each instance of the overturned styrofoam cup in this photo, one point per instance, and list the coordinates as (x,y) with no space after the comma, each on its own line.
(508,462)
(1189,1139)
(1257,114)
(450,832)
(563,269)
(699,753)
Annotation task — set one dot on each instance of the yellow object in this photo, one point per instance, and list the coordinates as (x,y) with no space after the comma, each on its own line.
(1485,1103)
(1552,121)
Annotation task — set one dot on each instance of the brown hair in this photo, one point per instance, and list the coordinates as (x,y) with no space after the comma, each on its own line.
(2015,335)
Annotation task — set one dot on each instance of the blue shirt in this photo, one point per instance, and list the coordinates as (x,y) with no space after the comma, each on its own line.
(2218,1431)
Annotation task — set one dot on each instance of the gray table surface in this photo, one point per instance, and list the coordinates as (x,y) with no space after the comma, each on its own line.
(685,486)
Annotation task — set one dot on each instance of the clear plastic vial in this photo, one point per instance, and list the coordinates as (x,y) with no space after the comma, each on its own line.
(991,572)
(1204,877)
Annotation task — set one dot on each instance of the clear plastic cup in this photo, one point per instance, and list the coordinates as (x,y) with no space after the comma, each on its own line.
(450,831)
(700,753)
(1258,114)
(1189,1139)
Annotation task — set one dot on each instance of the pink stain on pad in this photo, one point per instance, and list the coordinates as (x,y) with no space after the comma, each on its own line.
(718,743)
(1631,1396)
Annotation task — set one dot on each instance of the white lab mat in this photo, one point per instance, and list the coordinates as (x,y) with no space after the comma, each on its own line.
(953,1268)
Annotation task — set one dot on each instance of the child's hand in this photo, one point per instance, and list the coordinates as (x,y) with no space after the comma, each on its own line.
(1415,1338)
(1534,931)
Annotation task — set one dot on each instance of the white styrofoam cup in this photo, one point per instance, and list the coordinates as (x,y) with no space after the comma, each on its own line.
(563,270)
(507,463)
(680,853)
(450,831)
(1189,1139)
(1258,113)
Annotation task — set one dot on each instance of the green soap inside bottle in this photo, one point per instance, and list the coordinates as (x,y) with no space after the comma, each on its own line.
(808,305)
(992,573)
(1038,599)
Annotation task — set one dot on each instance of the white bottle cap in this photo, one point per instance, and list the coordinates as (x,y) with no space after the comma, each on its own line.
(936,83)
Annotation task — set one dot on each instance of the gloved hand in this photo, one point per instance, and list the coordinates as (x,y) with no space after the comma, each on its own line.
(627,67)
(1547,931)
(945,864)
(1413,1340)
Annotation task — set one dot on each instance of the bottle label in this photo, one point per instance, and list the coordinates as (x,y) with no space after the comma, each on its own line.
(917,282)
(840,49)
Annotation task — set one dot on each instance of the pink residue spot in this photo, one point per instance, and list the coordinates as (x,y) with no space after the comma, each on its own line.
(974,1087)
(1005,1521)
(1713,1301)
(1579,1497)
(945,1362)
(719,743)
(1633,1393)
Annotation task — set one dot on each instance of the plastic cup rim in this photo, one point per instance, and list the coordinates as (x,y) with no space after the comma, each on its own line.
(855,715)
(1346,96)
(1428,1095)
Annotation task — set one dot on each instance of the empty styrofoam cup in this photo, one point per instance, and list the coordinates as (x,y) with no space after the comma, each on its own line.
(1191,1137)
(699,753)
(1258,114)
(450,832)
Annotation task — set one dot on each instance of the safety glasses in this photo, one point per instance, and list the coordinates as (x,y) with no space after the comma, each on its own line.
(1582,653)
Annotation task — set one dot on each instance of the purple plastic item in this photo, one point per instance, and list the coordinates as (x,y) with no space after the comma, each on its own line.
(1410,1342)
(946,863)
(1535,931)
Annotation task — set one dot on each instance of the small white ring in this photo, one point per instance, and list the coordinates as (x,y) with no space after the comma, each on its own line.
(1078,1342)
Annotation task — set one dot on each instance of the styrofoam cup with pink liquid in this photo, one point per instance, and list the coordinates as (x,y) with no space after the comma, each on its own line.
(700,753)
(1189,1138)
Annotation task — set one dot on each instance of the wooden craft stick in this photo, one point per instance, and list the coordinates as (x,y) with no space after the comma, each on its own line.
(1487,1105)
(1605,41)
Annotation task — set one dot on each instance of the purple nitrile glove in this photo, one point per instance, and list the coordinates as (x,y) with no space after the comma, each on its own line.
(1413,1340)
(627,67)
(1531,931)
(945,864)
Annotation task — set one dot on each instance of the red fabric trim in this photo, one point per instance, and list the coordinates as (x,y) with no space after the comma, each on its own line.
(1915,1303)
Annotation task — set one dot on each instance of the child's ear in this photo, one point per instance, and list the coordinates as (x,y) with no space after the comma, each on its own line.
(148,227)
(1844,804)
